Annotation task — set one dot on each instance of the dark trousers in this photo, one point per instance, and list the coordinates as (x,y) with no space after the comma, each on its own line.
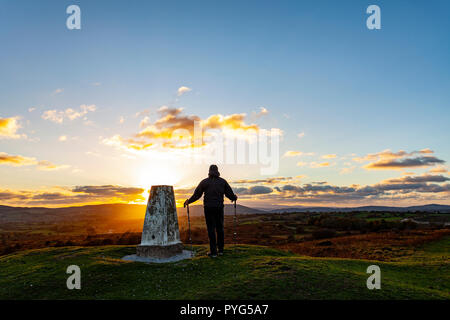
(214,223)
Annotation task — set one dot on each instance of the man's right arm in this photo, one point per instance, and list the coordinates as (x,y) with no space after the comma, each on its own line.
(197,193)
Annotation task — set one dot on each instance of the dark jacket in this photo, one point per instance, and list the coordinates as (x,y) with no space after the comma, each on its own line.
(214,188)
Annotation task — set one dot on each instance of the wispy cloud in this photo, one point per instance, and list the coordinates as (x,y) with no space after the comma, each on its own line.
(319,165)
(58,116)
(182,90)
(19,161)
(262,112)
(329,156)
(57,91)
(292,153)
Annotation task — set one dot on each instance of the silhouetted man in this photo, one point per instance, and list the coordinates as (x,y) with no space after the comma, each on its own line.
(214,188)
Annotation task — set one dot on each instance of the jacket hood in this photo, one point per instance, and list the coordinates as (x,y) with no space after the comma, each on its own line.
(213,171)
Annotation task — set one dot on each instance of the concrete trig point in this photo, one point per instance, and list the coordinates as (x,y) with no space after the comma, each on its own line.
(160,236)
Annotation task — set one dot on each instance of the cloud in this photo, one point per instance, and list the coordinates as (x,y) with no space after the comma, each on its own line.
(16,160)
(301,164)
(144,122)
(58,116)
(57,91)
(419,179)
(329,156)
(262,112)
(31,109)
(134,144)
(254,190)
(19,161)
(108,190)
(301,135)
(439,169)
(173,129)
(420,188)
(319,165)
(182,90)
(388,160)
(232,122)
(273,180)
(49,166)
(62,138)
(73,196)
(292,153)
(396,164)
(9,128)
(347,170)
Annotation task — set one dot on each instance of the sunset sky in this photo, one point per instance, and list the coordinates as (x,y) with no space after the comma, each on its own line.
(86,116)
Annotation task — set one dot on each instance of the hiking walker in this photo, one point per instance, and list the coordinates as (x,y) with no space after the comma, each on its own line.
(189,228)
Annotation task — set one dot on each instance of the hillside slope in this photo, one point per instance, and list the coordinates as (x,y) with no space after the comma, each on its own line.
(244,272)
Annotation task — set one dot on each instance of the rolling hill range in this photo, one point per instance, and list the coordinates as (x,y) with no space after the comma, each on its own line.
(425,208)
(95,212)
(133,211)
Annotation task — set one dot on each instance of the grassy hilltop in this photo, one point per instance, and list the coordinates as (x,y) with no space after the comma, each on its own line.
(245,272)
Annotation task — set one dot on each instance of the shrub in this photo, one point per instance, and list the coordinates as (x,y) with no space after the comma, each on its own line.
(299,230)
(323,234)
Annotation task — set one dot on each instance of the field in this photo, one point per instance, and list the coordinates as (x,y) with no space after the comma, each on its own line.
(299,255)
(244,272)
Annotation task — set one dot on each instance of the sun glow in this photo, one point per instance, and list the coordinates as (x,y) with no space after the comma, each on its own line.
(150,176)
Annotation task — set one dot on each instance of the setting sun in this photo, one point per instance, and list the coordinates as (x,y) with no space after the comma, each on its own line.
(161,175)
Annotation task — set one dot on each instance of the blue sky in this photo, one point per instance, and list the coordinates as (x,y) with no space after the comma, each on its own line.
(314,66)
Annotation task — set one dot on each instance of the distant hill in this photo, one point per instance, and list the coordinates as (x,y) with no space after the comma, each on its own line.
(427,208)
(197,210)
(97,212)
(134,211)
(90,212)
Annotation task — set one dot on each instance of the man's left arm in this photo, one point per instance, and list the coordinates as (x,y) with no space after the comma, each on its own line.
(229,192)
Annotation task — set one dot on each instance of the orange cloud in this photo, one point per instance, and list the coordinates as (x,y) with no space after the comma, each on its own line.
(292,153)
(329,156)
(175,130)
(439,169)
(16,160)
(319,165)
(9,127)
(19,161)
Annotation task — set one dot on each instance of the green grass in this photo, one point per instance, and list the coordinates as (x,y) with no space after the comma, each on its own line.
(244,272)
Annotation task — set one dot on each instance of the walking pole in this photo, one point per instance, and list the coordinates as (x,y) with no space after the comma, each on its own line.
(189,228)
(235,234)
